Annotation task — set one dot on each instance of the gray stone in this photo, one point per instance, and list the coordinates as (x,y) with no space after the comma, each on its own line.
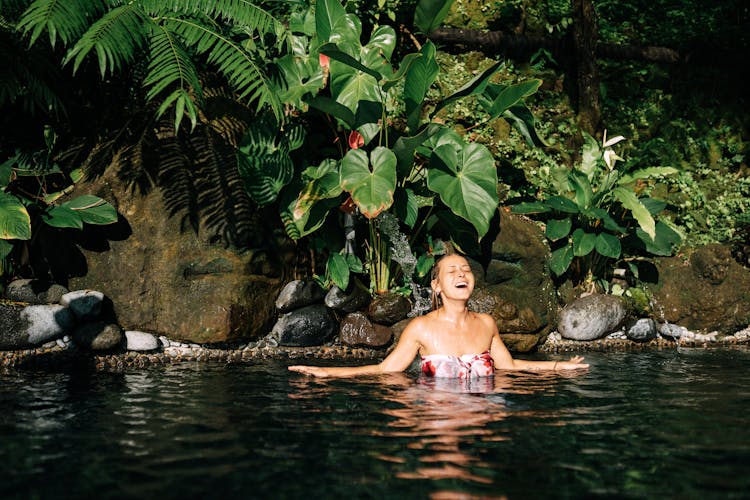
(673,331)
(85,304)
(357,330)
(591,317)
(141,341)
(299,293)
(98,336)
(35,291)
(307,326)
(388,309)
(354,300)
(31,326)
(641,330)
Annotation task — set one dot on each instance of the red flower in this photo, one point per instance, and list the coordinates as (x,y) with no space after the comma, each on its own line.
(356,140)
(325,61)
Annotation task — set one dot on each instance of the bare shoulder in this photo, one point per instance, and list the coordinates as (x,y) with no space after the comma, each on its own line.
(485,319)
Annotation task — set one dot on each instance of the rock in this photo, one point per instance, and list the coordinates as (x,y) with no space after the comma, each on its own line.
(672,331)
(357,330)
(388,309)
(98,336)
(299,293)
(30,326)
(519,292)
(141,341)
(641,330)
(205,273)
(307,326)
(591,317)
(520,330)
(707,291)
(354,300)
(398,328)
(35,291)
(85,304)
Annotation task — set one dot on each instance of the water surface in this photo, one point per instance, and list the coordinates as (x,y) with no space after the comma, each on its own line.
(661,424)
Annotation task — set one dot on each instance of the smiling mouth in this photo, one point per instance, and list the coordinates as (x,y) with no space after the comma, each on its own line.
(462,285)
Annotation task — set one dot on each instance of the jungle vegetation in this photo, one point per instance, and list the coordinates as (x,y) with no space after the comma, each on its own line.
(373,131)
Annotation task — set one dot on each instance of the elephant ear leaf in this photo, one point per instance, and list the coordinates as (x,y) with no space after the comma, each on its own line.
(430,14)
(15,223)
(465,178)
(370,181)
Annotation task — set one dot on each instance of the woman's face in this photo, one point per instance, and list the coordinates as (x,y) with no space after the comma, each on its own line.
(455,279)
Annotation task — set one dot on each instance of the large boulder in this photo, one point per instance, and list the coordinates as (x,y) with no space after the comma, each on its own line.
(306,326)
(592,317)
(707,291)
(30,326)
(518,290)
(164,276)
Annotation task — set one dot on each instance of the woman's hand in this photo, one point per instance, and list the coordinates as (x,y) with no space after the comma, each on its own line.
(573,364)
(314,371)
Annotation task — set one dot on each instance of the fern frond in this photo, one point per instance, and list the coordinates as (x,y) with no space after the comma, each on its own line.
(171,66)
(116,38)
(67,19)
(236,65)
(29,78)
(241,13)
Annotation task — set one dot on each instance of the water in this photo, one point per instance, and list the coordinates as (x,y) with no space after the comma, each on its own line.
(661,424)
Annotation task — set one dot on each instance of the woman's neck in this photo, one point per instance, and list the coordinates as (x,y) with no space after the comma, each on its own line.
(453,311)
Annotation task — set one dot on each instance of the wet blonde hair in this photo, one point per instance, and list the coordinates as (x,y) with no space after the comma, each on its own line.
(435,300)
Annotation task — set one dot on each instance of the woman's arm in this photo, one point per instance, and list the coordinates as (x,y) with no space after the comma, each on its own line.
(397,361)
(504,361)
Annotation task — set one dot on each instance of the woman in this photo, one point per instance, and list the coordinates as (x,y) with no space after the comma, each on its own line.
(452,341)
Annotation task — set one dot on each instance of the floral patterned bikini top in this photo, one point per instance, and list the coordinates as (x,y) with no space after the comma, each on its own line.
(464,366)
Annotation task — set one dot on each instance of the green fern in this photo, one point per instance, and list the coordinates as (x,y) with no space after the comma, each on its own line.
(177,35)
(68,19)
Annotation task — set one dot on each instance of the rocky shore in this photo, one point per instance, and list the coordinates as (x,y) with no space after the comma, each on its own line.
(62,355)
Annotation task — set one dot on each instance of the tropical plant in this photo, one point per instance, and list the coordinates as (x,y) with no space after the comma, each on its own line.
(173,36)
(597,216)
(390,172)
(31,187)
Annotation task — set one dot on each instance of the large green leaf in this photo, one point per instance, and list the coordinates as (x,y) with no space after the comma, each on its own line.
(66,20)
(430,14)
(308,218)
(406,206)
(263,159)
(582,187)
(591,155)
(331,50)
(324,184)
(338,270)
(558,228)
(92,209)
(664,242)
(371,181)
(465,178)
(15,223)
(647,173)
(419,78)
(63,217)
(333,108)
(497,98)
(609,223)
(562,204)
(608,245)
(530,207)
(327,14)
(583,242)
(405,147)
(560,260)
(641,214)
(523,121)
(5,248)
(474,87)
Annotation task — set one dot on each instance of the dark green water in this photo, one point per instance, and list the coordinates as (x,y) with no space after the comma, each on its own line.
(662,424)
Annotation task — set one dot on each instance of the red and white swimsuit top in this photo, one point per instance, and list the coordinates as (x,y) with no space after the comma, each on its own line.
(464,366)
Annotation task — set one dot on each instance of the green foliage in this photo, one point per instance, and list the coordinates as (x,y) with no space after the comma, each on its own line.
(595,216)
(410,170)
(175,36)
(20,209)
